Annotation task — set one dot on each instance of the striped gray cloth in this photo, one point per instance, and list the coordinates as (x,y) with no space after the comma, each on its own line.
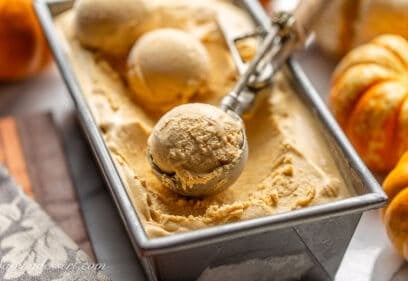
(32,247)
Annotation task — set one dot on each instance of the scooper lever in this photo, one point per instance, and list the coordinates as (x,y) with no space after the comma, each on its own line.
(281,38)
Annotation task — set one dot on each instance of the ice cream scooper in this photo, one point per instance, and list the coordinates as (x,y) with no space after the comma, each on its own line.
(198,150)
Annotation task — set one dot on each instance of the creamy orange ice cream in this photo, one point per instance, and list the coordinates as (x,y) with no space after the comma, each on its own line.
(112,26)
(167,66)
(197,145)
(289,164)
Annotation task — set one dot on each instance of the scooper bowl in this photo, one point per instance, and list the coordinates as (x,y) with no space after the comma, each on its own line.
(218,183)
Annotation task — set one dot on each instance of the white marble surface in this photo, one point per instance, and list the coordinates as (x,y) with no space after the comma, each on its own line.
(370,256)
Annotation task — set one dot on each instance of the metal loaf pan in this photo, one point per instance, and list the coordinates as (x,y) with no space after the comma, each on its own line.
(306,244)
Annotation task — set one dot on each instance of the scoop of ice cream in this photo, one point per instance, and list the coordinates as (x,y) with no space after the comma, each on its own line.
(197,144)
(112,26)
(166,67)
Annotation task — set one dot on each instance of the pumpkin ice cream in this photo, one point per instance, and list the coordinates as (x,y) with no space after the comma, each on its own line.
(289,165)
(167,61)
(198,149)
(112,26)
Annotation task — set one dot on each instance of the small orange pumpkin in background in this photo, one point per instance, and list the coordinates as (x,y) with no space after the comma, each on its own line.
(396,213)
(369,98)
(23,48)
(346,24)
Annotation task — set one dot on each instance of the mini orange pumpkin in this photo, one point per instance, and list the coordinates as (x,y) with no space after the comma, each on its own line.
(346,24)
(369,98)
(396,213)
(23,49)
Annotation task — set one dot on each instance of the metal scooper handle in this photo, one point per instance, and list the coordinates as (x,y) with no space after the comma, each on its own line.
(282,37)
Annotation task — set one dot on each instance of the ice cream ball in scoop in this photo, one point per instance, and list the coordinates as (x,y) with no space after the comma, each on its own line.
(167,67)
(112,26)
(197,149)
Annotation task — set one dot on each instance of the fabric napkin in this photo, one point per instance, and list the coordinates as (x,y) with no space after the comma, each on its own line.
(31,149)
(32,247)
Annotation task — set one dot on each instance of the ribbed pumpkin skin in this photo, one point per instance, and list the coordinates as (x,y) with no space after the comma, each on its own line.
(346,24)
(23,48)
(396,213)
(369,98)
